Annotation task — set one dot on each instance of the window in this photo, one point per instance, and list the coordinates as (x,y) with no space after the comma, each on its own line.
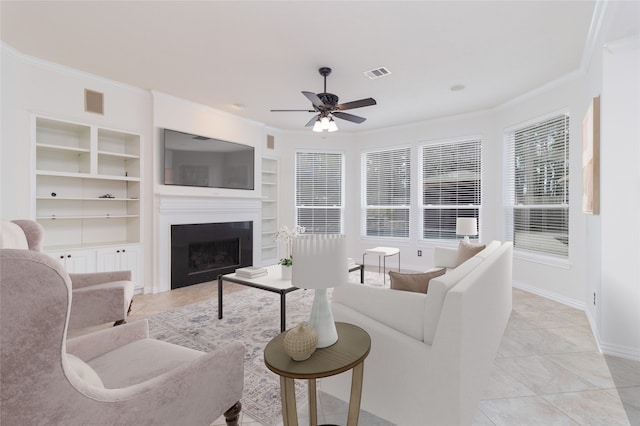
(387,193)
(537,187)
(451,184)
(319,183)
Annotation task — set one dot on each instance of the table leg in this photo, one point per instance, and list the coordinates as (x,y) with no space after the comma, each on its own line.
(356,394)
(362,272)
(220,297)
(283,312)
(313,403)
(288,397)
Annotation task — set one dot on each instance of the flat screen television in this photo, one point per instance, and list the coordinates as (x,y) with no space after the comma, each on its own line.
(192,160)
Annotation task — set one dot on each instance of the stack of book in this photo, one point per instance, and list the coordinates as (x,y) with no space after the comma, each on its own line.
(251,272)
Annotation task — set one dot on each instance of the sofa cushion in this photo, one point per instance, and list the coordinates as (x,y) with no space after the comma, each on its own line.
(84,371)
(438,288)
(418,283)
(12,236)
(401,310)
(466,251)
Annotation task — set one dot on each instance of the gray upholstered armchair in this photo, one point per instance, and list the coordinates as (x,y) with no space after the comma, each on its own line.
(113,376)
(98,297)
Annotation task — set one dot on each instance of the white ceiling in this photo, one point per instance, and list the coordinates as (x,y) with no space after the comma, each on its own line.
(262,54)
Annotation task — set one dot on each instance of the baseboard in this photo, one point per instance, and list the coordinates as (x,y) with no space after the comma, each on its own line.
(605,348)
(574,303)
(619,351)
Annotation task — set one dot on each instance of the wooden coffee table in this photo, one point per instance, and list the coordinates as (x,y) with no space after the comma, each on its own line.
(347,353)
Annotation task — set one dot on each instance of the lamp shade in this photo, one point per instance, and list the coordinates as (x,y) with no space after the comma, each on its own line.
(319,261)
(467,226)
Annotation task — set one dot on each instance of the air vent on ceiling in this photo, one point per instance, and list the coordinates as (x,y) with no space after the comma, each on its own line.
(377,73)
(201,138)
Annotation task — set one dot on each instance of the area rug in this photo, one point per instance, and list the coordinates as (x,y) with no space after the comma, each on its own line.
(253,317)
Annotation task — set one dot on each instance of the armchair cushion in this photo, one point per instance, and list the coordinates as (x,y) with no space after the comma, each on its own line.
(140,361)
(418,283)
(84,371)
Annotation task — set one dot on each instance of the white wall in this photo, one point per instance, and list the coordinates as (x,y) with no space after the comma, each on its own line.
(34,87)
(619,296)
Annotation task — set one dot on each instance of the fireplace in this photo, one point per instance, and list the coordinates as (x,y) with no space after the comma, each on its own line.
(200,252)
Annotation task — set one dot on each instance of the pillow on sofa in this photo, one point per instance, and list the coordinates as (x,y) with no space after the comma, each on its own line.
(418,283)
(84,371)
(467,251)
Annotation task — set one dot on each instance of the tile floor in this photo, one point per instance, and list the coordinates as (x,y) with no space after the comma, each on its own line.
(548,370)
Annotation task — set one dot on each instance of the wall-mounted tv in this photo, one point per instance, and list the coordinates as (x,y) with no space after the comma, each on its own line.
(192,160)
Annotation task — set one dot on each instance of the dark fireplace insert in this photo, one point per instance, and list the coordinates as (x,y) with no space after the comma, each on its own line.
(200,252)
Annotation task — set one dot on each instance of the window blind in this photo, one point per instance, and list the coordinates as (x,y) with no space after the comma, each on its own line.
(537,186)
(319,192)
(387,192)
(451,186)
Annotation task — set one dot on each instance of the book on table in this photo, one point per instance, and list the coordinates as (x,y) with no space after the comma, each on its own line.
(251,272)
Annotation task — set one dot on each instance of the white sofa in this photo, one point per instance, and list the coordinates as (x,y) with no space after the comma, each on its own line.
(431,354)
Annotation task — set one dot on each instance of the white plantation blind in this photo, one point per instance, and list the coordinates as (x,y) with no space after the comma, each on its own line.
(387,192)
(451,186)
(319,192)
(537,186)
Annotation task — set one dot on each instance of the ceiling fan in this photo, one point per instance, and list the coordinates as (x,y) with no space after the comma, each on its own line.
(327,107)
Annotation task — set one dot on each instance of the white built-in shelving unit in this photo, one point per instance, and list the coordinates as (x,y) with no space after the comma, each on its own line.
(269,210)
(87,195)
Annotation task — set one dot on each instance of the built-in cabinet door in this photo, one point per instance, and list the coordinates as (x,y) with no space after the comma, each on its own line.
(124,258)
(76,261)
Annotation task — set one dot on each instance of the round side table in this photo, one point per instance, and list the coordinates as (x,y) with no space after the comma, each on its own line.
(347,353)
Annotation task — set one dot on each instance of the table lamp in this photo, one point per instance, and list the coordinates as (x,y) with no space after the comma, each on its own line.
(320,263)
(466,226)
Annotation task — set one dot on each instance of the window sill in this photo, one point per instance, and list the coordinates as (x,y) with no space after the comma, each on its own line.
(556,262)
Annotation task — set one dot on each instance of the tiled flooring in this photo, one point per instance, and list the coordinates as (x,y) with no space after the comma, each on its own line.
(548,370)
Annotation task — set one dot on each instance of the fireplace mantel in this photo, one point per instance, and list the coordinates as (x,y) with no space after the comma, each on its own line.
(182,210)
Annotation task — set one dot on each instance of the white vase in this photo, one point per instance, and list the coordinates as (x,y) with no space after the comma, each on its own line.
(286,272)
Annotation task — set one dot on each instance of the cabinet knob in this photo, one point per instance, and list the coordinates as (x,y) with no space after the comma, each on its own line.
(123,250)
(117,251)
(68,255)
(62,256)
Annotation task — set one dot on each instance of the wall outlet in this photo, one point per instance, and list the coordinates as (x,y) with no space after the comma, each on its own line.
(419,253)
(594,298)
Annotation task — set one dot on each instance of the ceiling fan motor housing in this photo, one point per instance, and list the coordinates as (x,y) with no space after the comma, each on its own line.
(328,99)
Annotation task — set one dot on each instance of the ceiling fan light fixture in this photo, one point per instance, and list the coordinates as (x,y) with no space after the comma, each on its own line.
(317,126)
(325,122)
(332,126)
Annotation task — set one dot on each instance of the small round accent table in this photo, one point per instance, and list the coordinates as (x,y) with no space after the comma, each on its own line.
(347,353)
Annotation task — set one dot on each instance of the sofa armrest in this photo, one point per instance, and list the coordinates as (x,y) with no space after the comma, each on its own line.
(444,257)
(401,310)
(100,342)
(93,278)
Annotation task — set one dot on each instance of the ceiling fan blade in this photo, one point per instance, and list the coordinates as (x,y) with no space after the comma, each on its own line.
(312,121)
(356,104)
(315,100)
(292,110)
(348,117)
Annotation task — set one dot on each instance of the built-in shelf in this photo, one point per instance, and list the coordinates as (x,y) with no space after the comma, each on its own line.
(87,195)
(269,210)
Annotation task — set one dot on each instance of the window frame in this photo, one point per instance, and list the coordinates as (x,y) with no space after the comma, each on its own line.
(476,207)
(392,207)
(510,206)
(340,208)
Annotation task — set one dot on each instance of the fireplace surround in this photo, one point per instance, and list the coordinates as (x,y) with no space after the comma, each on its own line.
(202,251)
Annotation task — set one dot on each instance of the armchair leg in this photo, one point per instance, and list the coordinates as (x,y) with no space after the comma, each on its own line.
(232,415)
(124,321)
